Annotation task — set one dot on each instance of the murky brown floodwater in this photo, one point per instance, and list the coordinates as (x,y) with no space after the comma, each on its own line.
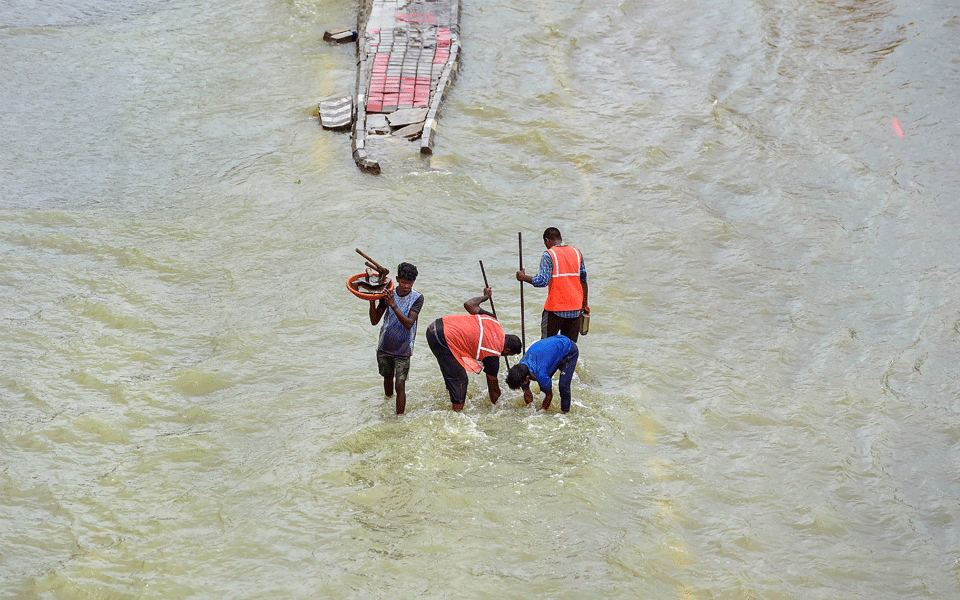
(768,400)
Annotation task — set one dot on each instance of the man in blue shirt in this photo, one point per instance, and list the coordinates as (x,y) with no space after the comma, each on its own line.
(398,332)
(544,358)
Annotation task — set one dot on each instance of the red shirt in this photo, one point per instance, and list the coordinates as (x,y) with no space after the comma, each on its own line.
(471,338)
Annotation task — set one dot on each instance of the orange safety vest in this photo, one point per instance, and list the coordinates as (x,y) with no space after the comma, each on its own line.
(471,338)
(564,291)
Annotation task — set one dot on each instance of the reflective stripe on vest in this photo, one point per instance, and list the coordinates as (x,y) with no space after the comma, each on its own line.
(480,346)
(470,342)
(565,291)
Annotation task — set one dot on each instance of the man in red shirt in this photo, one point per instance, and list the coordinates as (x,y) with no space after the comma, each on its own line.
(471,342)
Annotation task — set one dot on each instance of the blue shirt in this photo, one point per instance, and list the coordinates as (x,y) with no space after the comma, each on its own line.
(396,339)
(544,356)
(542,279)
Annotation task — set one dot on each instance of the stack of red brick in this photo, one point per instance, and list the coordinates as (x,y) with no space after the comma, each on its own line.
(400,81)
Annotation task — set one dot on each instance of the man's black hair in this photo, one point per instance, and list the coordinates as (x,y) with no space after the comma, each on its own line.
(552,233)
(512,343)
(407,271)
(517,375)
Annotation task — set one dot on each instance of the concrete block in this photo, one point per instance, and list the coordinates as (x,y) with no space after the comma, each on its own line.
(340,36)
(426,140)
(377,123)
(411,132)
(336,113)
(407,116)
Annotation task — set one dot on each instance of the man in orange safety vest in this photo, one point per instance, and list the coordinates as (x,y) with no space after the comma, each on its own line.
(564,275)
(472,342)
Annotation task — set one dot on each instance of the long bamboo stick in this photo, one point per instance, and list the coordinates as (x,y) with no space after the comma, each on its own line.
(492,308)
(523,329)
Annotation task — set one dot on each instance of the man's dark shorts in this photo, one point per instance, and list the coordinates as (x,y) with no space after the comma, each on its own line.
(551,325)
(397,367)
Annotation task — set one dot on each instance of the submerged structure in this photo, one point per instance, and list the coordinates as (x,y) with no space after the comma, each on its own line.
(408,52)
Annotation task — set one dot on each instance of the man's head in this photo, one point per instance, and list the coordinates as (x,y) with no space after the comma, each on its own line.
(551,237)
(406,276)
(511,345)
(517,376)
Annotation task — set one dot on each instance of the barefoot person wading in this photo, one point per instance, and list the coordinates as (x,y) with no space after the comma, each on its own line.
(398,332)
(470,342)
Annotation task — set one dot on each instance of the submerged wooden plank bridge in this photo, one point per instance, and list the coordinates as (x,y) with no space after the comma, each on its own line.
(407,57)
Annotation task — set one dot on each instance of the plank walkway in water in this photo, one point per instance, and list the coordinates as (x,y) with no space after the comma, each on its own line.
(407,57)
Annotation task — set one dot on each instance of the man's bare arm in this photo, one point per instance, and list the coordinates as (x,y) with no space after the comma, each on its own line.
(472,305)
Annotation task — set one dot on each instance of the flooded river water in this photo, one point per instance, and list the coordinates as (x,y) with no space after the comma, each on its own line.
(767,404)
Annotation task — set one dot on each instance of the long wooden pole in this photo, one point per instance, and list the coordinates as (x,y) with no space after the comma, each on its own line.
(492,307)
(523,329)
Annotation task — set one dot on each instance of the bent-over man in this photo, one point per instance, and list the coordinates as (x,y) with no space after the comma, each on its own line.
(544,358)
(470,342)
